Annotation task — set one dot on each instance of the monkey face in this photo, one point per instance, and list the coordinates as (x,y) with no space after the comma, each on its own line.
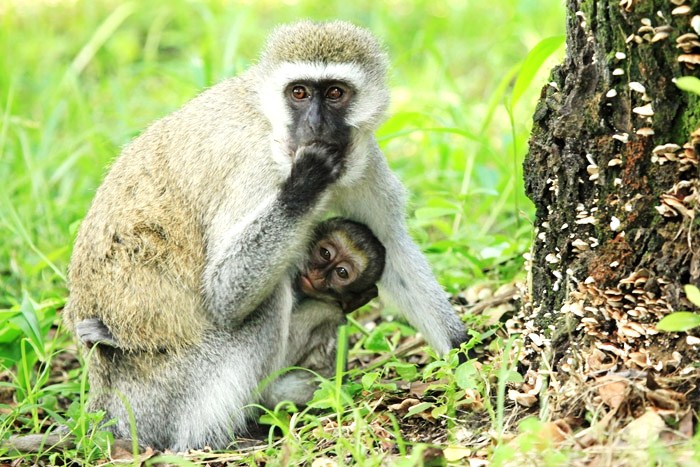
(319,110)
(343,265)
(332,268)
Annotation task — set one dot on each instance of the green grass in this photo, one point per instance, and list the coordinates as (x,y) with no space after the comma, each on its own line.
(79,79)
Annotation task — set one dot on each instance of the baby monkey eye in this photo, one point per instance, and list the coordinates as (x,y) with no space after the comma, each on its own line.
(342,272)
(299,92)
(325,254)
(334,93)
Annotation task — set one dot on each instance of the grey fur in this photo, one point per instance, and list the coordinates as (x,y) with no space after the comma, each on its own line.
(92,331)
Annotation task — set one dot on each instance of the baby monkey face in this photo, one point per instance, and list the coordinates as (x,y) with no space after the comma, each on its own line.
(335,263)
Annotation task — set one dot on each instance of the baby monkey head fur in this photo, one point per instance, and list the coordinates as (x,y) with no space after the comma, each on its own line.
(344,262)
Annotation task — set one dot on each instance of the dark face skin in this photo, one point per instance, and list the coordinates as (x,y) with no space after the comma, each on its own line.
(319,111)
(333,269)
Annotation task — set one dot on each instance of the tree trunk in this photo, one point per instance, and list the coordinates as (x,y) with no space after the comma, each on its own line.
(613,172)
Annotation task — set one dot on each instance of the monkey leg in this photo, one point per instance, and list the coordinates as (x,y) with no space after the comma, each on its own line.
(312,345)
(200,396)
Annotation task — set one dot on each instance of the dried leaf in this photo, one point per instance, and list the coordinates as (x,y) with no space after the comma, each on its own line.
(386,439)
(612,391)
(119,452)
(404,405)
(597,360)
(324,462)
(526,400)
(472,400)
(456,453)
(685,426)
(541,435)
(644,430)
(554,433)
(666,399)
(418,388)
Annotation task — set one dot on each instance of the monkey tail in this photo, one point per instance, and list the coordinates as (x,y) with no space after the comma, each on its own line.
(40,442)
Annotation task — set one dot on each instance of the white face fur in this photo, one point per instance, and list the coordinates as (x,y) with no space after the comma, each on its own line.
(366,112)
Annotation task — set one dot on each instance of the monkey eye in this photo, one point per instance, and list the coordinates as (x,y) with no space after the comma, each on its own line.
(342,272)
(299,92)
(325,254)
(334,93)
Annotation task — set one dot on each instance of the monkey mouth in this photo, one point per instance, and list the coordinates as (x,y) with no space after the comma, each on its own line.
(306,285)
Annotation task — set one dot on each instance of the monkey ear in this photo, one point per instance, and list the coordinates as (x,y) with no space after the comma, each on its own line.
(354,300)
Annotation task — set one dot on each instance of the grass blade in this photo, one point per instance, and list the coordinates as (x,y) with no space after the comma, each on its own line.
(98,39)
(689,84)
(533,62)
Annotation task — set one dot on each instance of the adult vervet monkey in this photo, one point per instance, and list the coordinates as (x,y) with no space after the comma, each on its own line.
(196,226)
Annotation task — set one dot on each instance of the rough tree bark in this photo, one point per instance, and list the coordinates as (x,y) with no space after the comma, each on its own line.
(613,172)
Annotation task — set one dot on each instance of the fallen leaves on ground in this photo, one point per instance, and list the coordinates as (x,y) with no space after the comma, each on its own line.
(628,405)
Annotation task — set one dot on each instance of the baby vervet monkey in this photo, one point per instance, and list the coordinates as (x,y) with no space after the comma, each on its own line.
(337,275)
(185,252)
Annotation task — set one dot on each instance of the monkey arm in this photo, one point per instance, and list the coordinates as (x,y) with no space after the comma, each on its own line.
(254,258)
(257,252)
(408,282)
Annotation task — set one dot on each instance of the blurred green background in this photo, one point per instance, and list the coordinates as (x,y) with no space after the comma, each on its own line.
(79,79)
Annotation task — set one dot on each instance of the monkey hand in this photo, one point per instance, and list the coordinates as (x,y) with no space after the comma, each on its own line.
(351,301)
(316,166)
